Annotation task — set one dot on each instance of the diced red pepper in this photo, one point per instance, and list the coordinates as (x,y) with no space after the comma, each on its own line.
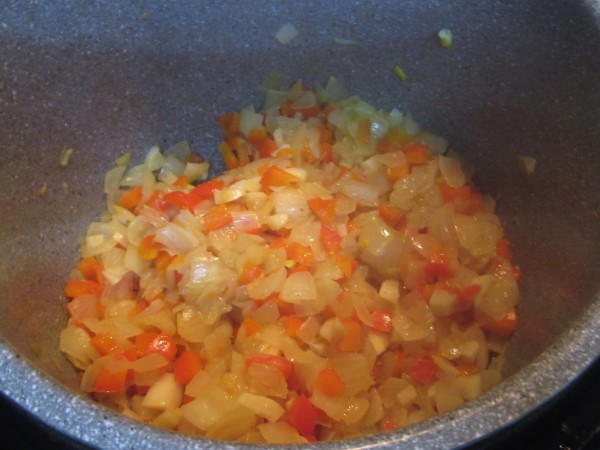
(382,321)
(187,366)
(151,342)
(105,343)
(438,266)
(416,153)
(75,288)
(302,415)
(108,382)
(218,217)
(324,209)
(423,370)
(206,190)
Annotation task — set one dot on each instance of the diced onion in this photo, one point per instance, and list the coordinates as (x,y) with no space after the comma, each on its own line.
(286,33)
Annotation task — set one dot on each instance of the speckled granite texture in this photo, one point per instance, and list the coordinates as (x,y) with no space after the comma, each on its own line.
(522,78)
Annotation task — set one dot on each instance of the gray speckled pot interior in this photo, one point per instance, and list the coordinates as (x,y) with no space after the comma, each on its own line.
(522,78)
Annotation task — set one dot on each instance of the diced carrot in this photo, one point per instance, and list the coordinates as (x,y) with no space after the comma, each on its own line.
(267,148)
(285,366)
(393,141)
(276,176)
(251,326)
(438,266)
(75,288)
(346,264)
(382,321)
(250,272)
(229,158)
(182,181)
(239,147)
(291,324)
(90,268)
(217,217)
(503,248)
(390,214)
(302,415)
(130,198)
(423,370)
(257,136)
(330,238)
(147,249)
(503,327)
(301,254)
(416,154)
(394,174)
(187,366)
(330,382)
(324,209)
(351,341)
(230,123)
(151,342)
(105,343)
(162,260)
(108,382)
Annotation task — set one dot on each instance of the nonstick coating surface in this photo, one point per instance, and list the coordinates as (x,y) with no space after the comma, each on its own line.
(103,78)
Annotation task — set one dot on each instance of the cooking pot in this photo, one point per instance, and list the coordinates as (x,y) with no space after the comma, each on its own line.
(104,78)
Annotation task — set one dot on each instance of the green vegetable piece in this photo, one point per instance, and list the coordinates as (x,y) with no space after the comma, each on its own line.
(400,73)
(445,36)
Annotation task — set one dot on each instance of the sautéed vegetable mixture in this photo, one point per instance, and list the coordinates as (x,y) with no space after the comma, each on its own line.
(343,276)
